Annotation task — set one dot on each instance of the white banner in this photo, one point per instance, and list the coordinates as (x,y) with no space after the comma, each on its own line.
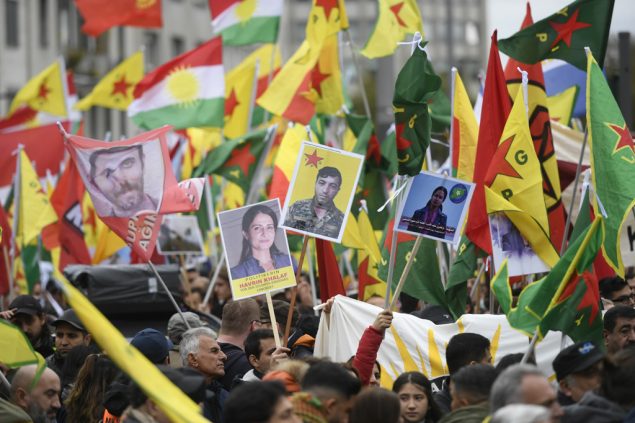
(628,240)
(414,344)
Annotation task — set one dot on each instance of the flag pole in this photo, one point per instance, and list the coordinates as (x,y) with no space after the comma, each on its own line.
(294,291)
(393,247)
(16,215)
(406,270)
(210,287)
(272,316)
(360,80)
(255,186)
(165,287)
(254,91)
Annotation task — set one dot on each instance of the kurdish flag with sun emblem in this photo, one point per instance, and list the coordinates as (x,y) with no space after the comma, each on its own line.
(186,92)
(242,22)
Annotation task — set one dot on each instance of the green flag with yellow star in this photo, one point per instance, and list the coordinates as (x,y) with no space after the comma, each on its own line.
(612,162)
(563,35)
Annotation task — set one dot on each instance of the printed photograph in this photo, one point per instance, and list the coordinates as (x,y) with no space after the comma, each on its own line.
(435,207)
(321,191)
(180,235)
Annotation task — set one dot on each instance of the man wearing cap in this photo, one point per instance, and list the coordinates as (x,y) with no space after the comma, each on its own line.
(151,343)
(69,333)
(27,314)
(578,370)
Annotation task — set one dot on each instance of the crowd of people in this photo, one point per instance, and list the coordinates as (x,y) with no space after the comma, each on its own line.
(239,374)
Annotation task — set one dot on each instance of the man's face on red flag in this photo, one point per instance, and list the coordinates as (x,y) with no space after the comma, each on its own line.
(119,176)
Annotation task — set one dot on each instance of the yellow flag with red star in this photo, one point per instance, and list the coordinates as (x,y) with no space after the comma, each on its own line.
(45,92)
(397,18)
(115,89)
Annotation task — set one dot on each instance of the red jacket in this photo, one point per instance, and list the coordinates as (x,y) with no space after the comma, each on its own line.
(366,354)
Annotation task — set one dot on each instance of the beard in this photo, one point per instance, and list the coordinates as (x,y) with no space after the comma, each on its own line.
(38,415)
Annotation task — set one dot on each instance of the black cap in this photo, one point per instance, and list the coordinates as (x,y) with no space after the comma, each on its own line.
(435,313)
(70,317)
(26,304)
(576,358)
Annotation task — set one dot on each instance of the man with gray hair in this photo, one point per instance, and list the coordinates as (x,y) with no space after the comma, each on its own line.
(522,413)
(176,329)
(200,351)
(524,384)
(41,401)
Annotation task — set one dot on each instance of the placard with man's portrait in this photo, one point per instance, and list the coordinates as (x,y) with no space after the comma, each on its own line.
(321,191)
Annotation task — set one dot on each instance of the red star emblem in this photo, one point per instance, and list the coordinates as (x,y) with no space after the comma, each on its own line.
(241,157)
(313,159)
(591,296)
(230,103)
(44,91)
(625,140)
(120,87)
(395,9)
(374,150)
(327,5)
(565,30)
(402,143)
(317,77)
(500,165)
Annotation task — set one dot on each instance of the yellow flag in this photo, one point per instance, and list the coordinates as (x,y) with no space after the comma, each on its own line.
(200,142)
(561,105)
(325,18)
(463,132)
(514,183)
(35,211)
(116,87)
(170,399)
(397,18)
(45,92)
(16,350)
(327,79)
(108,243)
(239,87)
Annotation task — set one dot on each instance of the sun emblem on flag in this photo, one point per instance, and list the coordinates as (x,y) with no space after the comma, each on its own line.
(183,86)
(245,10)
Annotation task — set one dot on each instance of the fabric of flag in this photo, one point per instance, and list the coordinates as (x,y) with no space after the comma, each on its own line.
(16,349)
(326,79)
(462,268)
(239,88)
(326,18)
(44,92)
(560,76)
(132,185)
(612,160)
(108,243)
(5,250)
(416,85)
(236,159)
(22,118)
(188,91)
(170,399)
(540,129)
(563,35)
(496,107)
(368,258)
(561,105)
(115,89)
(101,15)
(284,163)
(396,19)
(389,152)
(331,283)
(199,142)
(246,22)
(463,132)
(514,183)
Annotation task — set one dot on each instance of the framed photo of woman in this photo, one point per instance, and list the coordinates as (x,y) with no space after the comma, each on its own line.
(256,249)
(435,206)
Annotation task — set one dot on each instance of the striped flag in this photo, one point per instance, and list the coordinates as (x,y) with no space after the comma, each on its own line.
(246,22)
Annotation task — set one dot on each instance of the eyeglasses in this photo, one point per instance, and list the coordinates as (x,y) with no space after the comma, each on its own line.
(625,299)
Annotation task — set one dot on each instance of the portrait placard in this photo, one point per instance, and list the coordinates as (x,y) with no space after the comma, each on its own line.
(180,235)
(435,207)
(508,243)
(256,249)
(321,191)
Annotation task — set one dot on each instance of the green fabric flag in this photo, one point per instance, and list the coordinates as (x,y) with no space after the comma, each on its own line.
(462,269)
(389,152)
(583,220)
(563,35)
(612,163)
(416,86)
(542,304)
(440,112)
(235,159)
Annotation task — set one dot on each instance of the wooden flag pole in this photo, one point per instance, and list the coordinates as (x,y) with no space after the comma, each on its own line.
(274,323)
(406,270)
(176,306)
(393,244)
(294,292)
(210,287)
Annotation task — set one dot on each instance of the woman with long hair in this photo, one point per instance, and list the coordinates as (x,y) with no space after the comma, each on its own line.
(415,395)
(259,252)
(430,220)
(84,403)
(376,405)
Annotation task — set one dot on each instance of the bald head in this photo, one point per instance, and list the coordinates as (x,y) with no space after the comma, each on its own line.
(40,402)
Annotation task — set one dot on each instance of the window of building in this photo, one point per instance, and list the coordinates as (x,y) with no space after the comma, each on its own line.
(63,23)
(178,46)
(43,12)
(151,49)
(11,23)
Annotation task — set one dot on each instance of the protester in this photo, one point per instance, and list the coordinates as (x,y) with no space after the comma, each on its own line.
(69,333)
(26,312)
(376,405)
(578,371)
(619,328)
(221,295)
(470,388)
(415,395)
(365,359)
(153,345)
(259,346)
(176,328)
(74,361)
(463,349)
(290,373)
(524,384)
(616,290)
(259,402)
(200,351)
(41,402)
(522,413)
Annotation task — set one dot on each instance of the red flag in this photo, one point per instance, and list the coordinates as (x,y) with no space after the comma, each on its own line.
(132,185)
(540,128)
(496,107)
(66,201)
(101,15)
(5,248)
(331,282)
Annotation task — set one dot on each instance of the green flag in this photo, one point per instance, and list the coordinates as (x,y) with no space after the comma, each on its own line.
(416,85)
(563,35)
(612,163)
(235,159)
(462,269)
